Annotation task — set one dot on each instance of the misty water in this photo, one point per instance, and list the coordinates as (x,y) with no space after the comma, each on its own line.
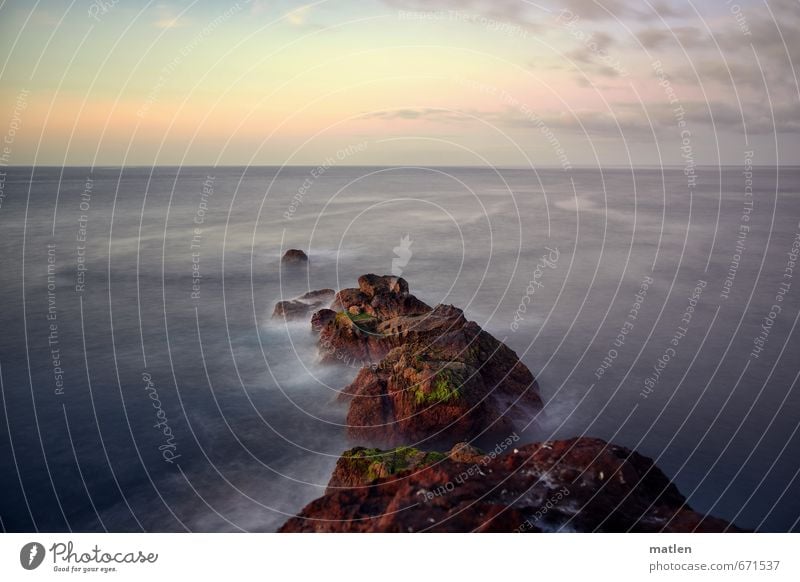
(254,428)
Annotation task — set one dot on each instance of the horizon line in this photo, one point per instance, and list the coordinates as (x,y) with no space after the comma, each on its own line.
(473,167)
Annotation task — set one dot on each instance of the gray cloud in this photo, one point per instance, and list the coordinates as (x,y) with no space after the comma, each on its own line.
(627,119)
(427,113)
(757,56)
(501,9)
(684,36)
(525,10)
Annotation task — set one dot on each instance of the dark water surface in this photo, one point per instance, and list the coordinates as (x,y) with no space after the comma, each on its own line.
(130,404)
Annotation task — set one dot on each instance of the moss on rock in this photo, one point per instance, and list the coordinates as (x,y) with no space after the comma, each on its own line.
(365,465)
(444,387)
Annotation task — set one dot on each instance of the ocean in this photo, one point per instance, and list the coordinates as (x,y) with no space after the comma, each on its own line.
(145,386)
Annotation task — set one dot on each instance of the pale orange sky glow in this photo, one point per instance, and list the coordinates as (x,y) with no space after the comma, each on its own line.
(282,82)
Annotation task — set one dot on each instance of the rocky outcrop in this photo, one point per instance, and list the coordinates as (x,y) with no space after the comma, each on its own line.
(294,257)
(580,484)
(382,297)
(448,380)
(426,373)
(432,377)
(301,307)
(367,320)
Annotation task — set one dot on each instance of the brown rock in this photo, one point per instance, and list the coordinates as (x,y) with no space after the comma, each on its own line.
(300,307)
(581,484)
(446,380)
(426,373)
(383,297)
(322,318)
(372,285)
(465,453)
(294,257)
(360,466)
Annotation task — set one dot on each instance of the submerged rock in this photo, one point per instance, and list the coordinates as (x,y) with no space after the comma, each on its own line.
(322,318)
(294,257)
(580,484)
(300,307)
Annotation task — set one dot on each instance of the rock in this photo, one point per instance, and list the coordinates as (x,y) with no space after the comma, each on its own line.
(418,394)
(538,487)
(319,296)
(359,466)
(372,285)
(347,298)
(426,373)
(294,257)
(446,380)
(465,453)
(347,338)
(383,297)
(322,318)
(379,322)
(300,307)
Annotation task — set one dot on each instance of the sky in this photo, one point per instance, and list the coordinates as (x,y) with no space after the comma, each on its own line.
(399,82)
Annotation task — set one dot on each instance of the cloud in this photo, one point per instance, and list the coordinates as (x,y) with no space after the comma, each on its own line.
(608,9)
(432,114)
(590,64)
(298,16)
(167,23)
(523,11)
(625,118)
(167,19)
(684,36)
(501,9)
(576,121)
(726,116)
(740,74)
(757,55)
